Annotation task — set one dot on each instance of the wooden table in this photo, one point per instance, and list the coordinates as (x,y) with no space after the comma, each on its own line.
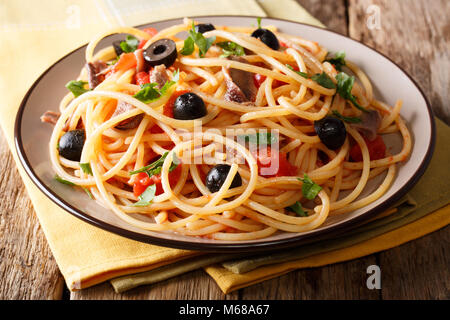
(413,33)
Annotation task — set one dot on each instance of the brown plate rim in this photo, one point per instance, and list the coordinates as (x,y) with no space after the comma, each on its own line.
(224,247)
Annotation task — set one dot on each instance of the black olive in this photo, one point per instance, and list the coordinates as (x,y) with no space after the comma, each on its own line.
(71,144)
(267,37)
(189,106)
(217,176)
(331,132)
(163,51)
(204,27)
(117,48)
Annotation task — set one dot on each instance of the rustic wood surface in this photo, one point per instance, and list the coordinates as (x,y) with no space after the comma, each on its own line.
(413,33)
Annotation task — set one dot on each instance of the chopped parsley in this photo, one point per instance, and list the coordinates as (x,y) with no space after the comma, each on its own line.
(77,87)
(310,189)
(63,181)
(344,88)
(231,48)
(130,44)
(149,92)
(156,167)
(197,38)
(338,61)
(298,209)
(321,78)
(86,167)
(146,197)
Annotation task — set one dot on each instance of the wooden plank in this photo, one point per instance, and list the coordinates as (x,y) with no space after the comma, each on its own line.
(27,267)
(412,36)
(192,285)
(333,14)
(338,281)
(416,35)
(418,269)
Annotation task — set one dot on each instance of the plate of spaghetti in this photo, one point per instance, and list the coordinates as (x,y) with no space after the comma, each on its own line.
(224,133)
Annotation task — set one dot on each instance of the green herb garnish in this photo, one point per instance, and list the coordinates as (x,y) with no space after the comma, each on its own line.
(77,87)
(258,20)
(146,197)
(129,45)
(156,167)
(61,180)
(149,92)
(338,61)
(298,209)
(258,138)
(88,193)
(86,167)
(344,88)
(198,39)
(346,119)
(310,189)
(324,80)
(321,78)
(303,74)
(230,48)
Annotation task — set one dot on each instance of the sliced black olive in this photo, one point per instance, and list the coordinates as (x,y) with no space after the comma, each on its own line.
(267,37)
(217,176)
(331,132)
(189,106)
(117,48)
(163,51)
(204,27)
(71,144)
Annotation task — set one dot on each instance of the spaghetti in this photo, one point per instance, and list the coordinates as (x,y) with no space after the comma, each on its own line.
(151,169)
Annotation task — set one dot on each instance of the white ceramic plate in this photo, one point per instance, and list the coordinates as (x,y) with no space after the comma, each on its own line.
(390,83)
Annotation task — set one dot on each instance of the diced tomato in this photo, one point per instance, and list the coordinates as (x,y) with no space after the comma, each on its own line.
(142,44)
(156,129)
(377,150)
(143,181)
(151,32)
(168,107)
(273,164)
(283,44)
(142,78)
(126,61)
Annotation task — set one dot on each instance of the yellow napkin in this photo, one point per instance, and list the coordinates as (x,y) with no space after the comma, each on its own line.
(36,34)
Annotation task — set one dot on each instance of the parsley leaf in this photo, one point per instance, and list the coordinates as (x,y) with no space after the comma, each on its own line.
(147,93)
(63,181)
(338,61)
(86,167)
(310,189)
(156,167)
(324,80)
(146,197)
(344,88)
(88,193)
(258,20)
(202,43)
(303,74)
(346,119)
(129,45)
(258,138)
(231,48)
(188,47)
(298,209)
(77,87)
